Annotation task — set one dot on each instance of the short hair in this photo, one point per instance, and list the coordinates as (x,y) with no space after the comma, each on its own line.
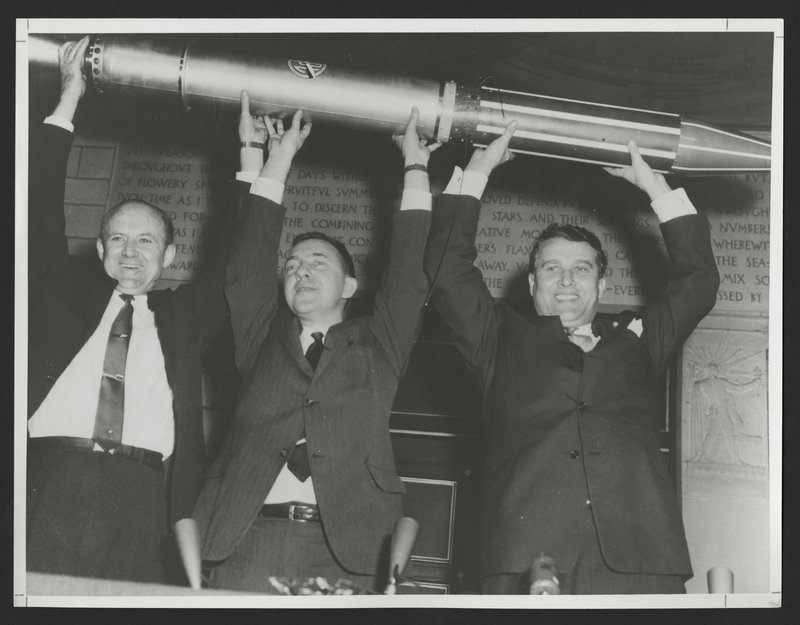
(344,255)
(570,233)
(169,227)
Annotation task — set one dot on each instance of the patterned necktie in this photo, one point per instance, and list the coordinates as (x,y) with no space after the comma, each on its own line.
(584,341)
(111,403)
(298,460)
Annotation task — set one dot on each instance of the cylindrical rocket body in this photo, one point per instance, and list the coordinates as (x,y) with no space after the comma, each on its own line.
(325,93)
(128,65)
(43,52)
(590,132)
(210,76)
(206,74)
(575,130)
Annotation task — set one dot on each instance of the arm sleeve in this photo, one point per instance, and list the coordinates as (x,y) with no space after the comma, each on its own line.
(47,168)
(251,285)
(209,304)
(397,316)
(673,204)
(458,291)
(467,182)
(691,292)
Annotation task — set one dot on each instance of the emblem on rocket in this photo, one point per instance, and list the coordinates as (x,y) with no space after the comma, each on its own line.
(306,69)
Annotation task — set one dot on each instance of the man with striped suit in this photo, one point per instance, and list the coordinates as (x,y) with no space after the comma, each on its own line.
(305,482)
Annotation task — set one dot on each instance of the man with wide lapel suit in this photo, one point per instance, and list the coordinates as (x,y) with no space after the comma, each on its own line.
(305,483)
(573,469)
(102,494)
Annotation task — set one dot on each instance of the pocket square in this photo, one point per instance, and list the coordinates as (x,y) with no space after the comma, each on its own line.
(636,327)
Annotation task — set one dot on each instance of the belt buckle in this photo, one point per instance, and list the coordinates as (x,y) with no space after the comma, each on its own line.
(297,512)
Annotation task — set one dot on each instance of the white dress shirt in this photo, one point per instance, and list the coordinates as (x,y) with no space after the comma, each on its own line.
(71,405)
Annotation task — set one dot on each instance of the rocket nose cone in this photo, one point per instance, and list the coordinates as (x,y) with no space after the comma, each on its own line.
(706,149)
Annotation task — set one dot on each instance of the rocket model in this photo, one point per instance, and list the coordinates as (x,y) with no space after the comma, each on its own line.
(208,75)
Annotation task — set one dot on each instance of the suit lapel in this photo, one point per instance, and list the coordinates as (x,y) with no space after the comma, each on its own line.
(96,305)
(289,334)
(332,340)
(158,302)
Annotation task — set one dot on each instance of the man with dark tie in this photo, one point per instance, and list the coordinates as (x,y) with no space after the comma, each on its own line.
(573,469)
(115,449)
(305,483)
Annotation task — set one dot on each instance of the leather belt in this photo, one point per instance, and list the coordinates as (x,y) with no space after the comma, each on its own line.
(145,457)
(293,511)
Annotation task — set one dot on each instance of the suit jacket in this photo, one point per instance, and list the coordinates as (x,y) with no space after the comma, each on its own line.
(344,406)
(67,298)
(566,427)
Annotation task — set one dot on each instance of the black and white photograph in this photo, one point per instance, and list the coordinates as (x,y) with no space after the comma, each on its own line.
(399,313)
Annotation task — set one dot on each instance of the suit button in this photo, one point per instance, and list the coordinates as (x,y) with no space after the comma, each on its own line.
(574,454)
(309,402)
(582,405)
(284,453)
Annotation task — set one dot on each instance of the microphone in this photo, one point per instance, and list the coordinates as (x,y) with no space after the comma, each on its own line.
(543,576)
(403,539)
(189,546)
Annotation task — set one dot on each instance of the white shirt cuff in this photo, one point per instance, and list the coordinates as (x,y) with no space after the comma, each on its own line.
(60,121)
(415,199)
(467,183)
(247,176)
(673,204)
(251,158)
(268,188)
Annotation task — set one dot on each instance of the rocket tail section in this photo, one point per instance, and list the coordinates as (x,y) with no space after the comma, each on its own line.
(589,132)
(705,149)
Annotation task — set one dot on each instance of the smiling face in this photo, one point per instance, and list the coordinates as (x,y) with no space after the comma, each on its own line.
(134,250)
(315,283)
(566,281)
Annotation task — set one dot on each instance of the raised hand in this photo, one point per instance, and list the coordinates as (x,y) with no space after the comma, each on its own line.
(283,144)
(252,128)
(485,160)
(640,174)
(70,63)
(415,151)
(73,82)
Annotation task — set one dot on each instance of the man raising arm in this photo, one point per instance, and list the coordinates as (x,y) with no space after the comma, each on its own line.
(114,375)
(305,484)
(573,469)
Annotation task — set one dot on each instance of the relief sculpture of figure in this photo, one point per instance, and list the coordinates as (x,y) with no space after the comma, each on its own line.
(717,413)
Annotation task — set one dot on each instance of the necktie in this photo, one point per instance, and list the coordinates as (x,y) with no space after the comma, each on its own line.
(314,350)
(111,403)
(298,460)
(584,341)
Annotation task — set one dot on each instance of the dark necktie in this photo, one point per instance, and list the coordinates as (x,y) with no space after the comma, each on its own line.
(111,403)
(314,350)
(298,460)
